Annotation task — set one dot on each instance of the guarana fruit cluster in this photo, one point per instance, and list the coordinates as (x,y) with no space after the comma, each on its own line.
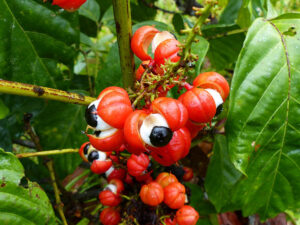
(125,140)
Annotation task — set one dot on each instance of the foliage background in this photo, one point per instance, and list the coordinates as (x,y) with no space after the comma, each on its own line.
(259,170)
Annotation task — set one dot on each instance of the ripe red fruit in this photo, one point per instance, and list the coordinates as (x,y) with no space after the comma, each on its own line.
(187,215)
(108,198)
(100,167)
(169,221)
(194,128)
(178,148)
(164,179)
(69,5)
(107,141)
(174,195)
(110,216)
(152,194)
(199,104)
(188,175)
(146,178)
(115,173)
(167,49)
(132,136)
(213,80)
(118,184)
(141,40)
(137,165)
(83,151)
(172,110)
(114,106)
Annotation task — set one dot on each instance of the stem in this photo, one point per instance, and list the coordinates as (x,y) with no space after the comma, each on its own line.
(16,88)
(123,26)
(49,163)
(196,29)
(44,153)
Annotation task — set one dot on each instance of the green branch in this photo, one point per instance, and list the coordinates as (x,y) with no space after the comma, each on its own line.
(15,88)
(123,26)
(44,153)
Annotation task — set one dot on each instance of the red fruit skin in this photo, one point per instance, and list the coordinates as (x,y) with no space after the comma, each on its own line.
(110,216)
(118,173)
(108,144)
(114,106)
(188,175)
(141,40)
(172,110)
(140,71)
(81,153)
(214,81)
(167,49)
(118,183)
(169,221)
(194,128)
(69,5)
(128,179)
(174,195)
(187,215)
(137,165)
(164,179)
(200,105)
(134,142)
(100,167)
(152,194)
(146,178)
(108,198)
(178,148)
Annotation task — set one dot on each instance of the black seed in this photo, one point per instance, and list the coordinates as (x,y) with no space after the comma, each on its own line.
(219,109)
(91,116)
(93,156)
(177,171)
(97,133)
(86,148)
(160,136)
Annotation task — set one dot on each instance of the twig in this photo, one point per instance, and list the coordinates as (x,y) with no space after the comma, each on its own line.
(44,153)
(122,16)
(16,88)
(49,163)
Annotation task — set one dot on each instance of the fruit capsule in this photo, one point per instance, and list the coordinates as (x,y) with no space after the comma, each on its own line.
(115,173)
(164,179)
(213,80)
(108,198)
(69,5)
(83,151)
(141,40)
(188,174)
(107,141)
(99,161)
(187,215)
(167,49)
(200,105)
(110,216)
(174,195)
(152,194)
(137,165)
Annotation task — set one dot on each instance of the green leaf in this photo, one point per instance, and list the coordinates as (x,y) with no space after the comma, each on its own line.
(4,111)
(20,205)
(221,175)
(200,49)
(263,120)
(177,22)
(230,13)
(224,47)
(91,10)
(60,126)
(30,32)
(110,74)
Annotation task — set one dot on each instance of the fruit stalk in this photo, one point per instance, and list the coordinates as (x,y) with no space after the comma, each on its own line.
(16,88)
(124,32)
(44,153)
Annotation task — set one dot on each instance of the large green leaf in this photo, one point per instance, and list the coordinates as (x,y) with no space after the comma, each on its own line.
(264,117)
(31,34)
(20,205)
(221,175)
(60,126)
(224,48)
